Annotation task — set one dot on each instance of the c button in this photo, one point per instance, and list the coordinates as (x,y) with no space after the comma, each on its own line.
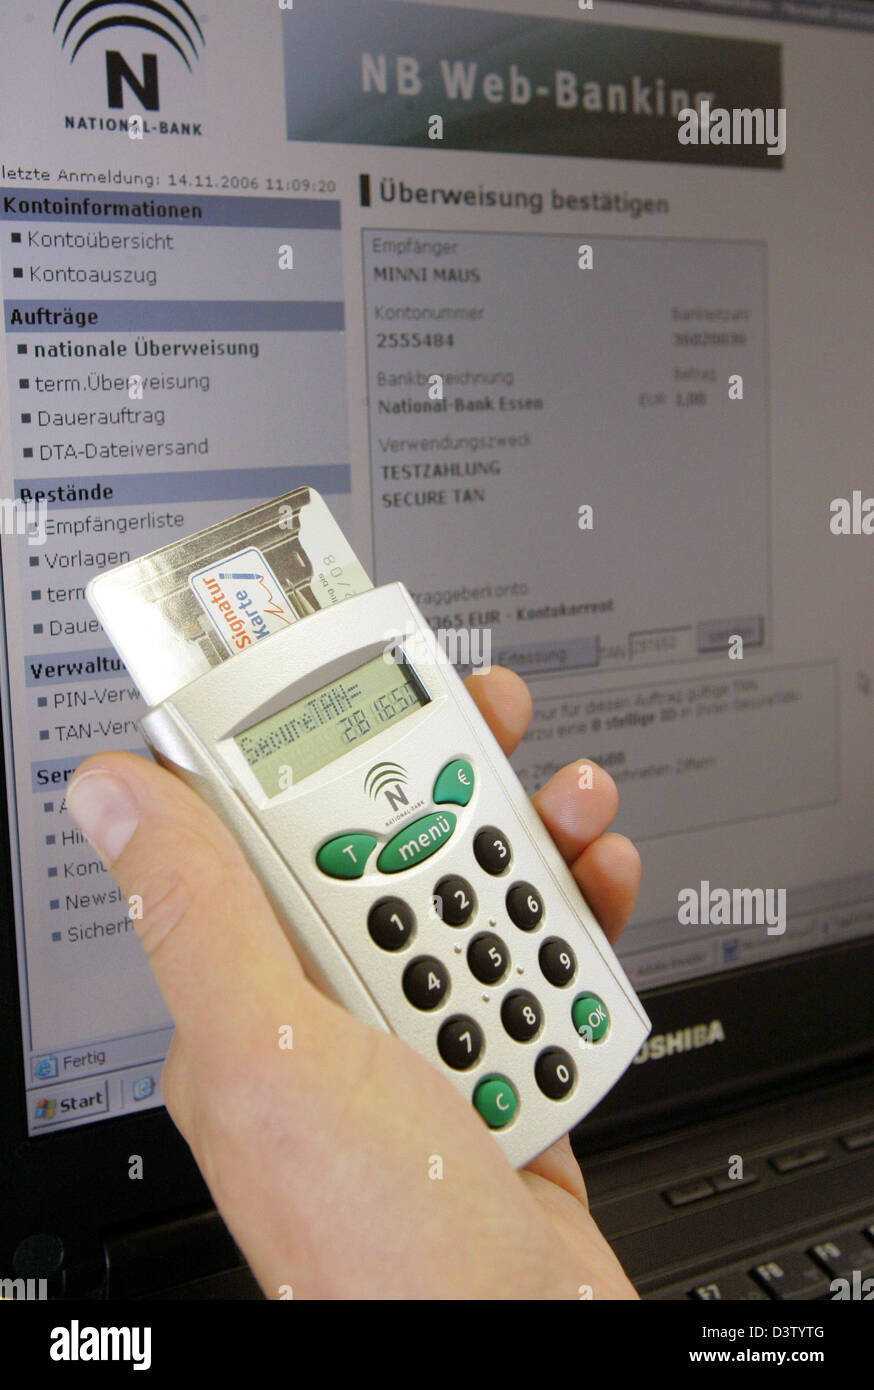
(496,1101)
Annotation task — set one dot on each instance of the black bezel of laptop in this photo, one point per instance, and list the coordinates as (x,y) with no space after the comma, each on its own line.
(783,1020)
(787,1023)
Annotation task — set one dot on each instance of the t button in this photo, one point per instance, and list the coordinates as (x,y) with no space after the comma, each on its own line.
(346,856)
(455,783)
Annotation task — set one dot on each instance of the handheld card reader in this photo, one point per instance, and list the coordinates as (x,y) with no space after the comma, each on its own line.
(322,721)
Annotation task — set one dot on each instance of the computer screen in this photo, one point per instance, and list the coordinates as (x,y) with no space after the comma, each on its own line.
(565,310)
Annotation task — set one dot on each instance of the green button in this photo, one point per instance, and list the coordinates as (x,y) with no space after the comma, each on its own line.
(590,1017)
(346,856)
(417,841)
(496,1101)
(455,783)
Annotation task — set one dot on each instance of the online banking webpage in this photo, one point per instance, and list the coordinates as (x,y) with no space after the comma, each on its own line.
(285,258)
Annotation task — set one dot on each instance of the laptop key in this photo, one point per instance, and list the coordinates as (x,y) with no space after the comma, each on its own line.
(686,1192)
(798,1158)
(737,1287)
(726,1184)
(846,1251)
(860,1139)
(792,1276)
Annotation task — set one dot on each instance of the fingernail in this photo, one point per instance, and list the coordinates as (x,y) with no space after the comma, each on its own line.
(104,810)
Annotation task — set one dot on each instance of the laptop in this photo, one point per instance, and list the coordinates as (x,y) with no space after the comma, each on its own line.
(565,311)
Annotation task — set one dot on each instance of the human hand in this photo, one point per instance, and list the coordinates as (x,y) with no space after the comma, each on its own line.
(319,1157)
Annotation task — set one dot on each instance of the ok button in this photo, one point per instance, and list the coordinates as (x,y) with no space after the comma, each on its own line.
(590,1017)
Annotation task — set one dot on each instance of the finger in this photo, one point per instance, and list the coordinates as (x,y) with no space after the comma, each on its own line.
(558,1165)
(576,805)
(504,701)
(206,923)
(604,1275)
(555,1182)
(608,873)
(576,814)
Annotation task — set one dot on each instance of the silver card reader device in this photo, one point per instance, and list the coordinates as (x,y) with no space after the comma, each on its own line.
(321,719)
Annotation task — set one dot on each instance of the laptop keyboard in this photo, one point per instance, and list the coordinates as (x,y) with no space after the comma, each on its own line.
(787,1161)
(803,1271)
(796,1272)
(772,1203)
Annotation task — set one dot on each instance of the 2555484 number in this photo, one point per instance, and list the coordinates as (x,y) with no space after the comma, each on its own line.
(415,340)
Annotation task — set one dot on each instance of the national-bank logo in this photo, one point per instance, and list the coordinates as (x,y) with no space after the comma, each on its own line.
(132,76)
(82,22)
(388,779)
(391,780)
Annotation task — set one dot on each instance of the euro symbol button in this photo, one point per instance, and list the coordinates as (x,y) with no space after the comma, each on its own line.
(455,783)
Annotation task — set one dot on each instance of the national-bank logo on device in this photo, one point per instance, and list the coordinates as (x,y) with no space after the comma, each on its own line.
(388,779)
(242,598)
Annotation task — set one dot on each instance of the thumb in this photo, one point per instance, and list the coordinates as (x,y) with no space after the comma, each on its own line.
(211,935)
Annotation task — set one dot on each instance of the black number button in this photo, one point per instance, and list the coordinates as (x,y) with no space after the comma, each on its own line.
(521,1015)
(525,906)
(492,850)
(460,1042)
(454,901)
(390,923)
(554,1072)
(488,958)
(426,982)
(557,961)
